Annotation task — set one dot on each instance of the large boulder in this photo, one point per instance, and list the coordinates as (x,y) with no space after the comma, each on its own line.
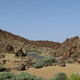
(19,53)
(21,67)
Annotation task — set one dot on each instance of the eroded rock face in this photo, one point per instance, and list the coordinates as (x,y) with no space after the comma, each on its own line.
(69,47)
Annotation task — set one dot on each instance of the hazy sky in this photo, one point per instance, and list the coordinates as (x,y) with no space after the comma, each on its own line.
(53,20)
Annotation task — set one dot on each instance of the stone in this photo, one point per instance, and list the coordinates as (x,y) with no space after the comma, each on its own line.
(21,67)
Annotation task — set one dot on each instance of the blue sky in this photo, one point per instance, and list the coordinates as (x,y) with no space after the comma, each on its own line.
(53,20)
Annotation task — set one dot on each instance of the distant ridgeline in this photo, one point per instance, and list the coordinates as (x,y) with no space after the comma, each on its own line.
(10,36)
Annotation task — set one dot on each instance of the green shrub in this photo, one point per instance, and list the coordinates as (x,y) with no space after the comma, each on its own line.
(38,65)
(74,77)
(21,76)
(6,75)
(26,76)
(60,76)
(1,67)
(48,60)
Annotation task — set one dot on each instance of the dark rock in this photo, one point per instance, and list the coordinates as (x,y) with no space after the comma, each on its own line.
(2,69)
(62,64)
(3,62)
(21,67)
(9,48)
(19,53)
(7,70)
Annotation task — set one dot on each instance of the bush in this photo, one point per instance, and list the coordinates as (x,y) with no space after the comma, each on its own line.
(48,60)
(6,75)
(26,76)
(21,76)
(38,65)
(60,76)
(74,77)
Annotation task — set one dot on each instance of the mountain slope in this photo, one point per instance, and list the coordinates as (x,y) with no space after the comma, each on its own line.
(68,48)
(10,36)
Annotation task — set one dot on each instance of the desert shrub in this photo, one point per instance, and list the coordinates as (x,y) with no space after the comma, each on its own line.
(45,61)
(70,61)
(21,76)
(60,76)
(2,68)
(38,65)
(26,76)
(48,60)
(6,76)
(74,77)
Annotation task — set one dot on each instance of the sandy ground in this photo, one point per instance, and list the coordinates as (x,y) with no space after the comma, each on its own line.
(46,72)
(49,72)
(11,61)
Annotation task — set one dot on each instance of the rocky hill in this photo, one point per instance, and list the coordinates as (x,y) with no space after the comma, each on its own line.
(69,48)
(17,42)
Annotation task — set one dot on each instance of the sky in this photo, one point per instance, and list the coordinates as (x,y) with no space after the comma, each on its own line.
(53,20)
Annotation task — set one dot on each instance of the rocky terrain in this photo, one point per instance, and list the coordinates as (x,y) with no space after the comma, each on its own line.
(18,54)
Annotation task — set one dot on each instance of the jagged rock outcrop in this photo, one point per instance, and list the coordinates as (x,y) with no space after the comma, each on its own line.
(69,48)
(19,53)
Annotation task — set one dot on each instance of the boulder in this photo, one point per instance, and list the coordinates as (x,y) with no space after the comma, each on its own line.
(19,53)
(21,67)
(62,64)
